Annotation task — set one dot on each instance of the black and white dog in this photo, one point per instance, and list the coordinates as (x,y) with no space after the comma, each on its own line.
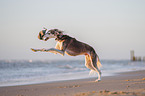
(72,47)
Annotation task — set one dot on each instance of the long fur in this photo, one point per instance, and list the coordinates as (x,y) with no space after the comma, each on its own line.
(93,72)
(99,63)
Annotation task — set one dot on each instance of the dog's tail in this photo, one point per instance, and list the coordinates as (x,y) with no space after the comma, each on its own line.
(93,72)
(98,63)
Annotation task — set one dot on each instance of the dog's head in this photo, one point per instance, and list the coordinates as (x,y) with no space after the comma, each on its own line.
(53,33)
(41,34)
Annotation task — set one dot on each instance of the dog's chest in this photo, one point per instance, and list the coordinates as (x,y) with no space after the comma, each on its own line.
(59,45)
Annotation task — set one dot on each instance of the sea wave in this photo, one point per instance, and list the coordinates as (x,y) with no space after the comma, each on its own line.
(18,72)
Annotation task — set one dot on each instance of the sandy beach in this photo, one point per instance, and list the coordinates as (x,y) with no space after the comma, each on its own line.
(121,84)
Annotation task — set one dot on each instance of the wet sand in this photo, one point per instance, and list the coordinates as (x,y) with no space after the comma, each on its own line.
(123,84)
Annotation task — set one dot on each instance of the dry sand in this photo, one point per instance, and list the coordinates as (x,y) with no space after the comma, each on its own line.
(124,84)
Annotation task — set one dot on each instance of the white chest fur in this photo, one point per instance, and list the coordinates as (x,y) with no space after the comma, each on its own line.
(59,45)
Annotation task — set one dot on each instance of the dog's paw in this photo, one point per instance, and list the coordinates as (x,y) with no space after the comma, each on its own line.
(98,80)
(33,50)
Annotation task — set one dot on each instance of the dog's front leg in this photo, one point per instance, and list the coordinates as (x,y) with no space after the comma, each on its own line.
(41,50)
(35,50)
(53,50)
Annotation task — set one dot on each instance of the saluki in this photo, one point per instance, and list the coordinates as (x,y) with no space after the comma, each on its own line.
(72,47)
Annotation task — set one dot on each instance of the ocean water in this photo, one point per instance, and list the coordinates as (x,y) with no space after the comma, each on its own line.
(22,72)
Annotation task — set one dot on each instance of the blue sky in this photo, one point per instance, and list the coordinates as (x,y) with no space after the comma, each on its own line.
(112,27)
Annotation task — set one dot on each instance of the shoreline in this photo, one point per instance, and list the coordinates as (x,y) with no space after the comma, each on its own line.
(126,83)
(62,80)
(21,72)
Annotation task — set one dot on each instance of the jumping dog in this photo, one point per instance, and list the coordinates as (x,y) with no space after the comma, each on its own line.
(72,47)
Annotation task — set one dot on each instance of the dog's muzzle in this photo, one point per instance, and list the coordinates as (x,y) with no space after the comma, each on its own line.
(42,37)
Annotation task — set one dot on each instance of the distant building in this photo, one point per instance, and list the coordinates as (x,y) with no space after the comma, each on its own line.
(134,58)
(132,55)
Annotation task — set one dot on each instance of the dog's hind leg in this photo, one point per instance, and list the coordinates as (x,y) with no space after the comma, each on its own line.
(88,63)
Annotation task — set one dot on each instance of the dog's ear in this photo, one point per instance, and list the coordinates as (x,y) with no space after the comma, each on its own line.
(40,36)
